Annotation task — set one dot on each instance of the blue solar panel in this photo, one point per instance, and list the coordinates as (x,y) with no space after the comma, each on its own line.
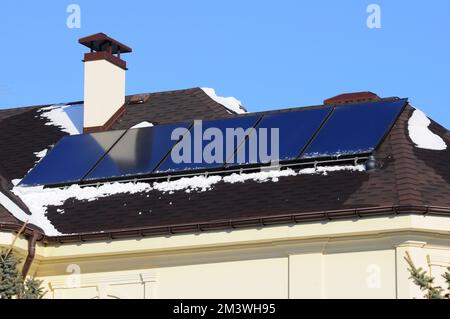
(138,152)
(201,140)
(322,132)
(354,129)
(71,158)
(280,136)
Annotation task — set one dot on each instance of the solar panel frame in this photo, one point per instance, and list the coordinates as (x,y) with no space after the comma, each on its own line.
(336,120)
(310,121)
(376,105)
(144,161)
(166,167)
(55,168)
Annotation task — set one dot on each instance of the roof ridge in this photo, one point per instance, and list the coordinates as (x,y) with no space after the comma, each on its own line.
(212,101)
(161,92)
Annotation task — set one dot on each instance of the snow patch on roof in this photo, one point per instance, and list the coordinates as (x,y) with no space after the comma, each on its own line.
(37,218)
(142,124)
(421,135)
(263,176)
(196,183)
(69,118)
(274,175)
(324,170)
(38,198)
(231,103)
(40,155)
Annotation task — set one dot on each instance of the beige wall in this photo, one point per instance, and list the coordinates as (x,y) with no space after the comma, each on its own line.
(362,274)
(104,91)
(260,278)
(367,274)
(339,259)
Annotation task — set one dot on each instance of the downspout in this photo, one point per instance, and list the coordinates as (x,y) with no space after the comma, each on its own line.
(31,253)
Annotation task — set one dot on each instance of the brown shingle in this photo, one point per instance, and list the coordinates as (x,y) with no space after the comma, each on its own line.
(408,177)
(172,107)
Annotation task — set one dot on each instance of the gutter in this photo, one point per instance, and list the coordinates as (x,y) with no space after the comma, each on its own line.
(31,253)
(241,223)
(224,224)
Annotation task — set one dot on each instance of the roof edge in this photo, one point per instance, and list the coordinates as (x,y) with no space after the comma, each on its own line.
(232,224)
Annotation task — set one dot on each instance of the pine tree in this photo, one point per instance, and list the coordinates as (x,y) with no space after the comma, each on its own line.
(32,289)
(425,281)
(11,283)
(446,276)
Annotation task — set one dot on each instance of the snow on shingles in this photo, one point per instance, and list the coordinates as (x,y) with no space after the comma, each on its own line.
(39,198)
(40,155)
(37,218)
(67,117)
(324,170)
(196,183)
(274,175)
(16,181)
(231,103)
(421,135)
(64,117)
(143,124)
(262,176)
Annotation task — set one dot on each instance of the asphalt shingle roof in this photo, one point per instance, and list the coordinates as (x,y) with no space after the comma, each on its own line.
(410,180)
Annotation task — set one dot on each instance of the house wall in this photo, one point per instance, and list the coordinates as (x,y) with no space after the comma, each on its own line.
(339,259)
(104,91)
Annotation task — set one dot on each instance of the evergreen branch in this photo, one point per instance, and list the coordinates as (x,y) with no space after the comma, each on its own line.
(11,247)
(423,280)
(446,276)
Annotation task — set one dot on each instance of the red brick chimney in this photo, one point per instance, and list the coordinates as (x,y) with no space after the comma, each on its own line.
(352,98)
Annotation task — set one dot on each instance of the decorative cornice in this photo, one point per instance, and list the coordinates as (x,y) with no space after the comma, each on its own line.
(241,223)
(95,280)
(103,55)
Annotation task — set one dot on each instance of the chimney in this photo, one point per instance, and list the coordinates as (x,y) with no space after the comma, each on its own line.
(356,97)
(104,81)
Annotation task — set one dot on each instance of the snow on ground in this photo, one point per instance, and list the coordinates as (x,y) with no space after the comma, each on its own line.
(231,103)
(421,135)
(143,124)
(38,198)
(63,117)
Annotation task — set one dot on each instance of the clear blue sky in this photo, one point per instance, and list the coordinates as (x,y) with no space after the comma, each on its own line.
(268,54)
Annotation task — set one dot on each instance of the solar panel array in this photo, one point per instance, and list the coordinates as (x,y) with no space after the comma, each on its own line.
(320,132)
(200,163)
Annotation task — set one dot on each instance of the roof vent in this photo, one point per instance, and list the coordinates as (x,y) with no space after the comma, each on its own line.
(352,98)
(138,98)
